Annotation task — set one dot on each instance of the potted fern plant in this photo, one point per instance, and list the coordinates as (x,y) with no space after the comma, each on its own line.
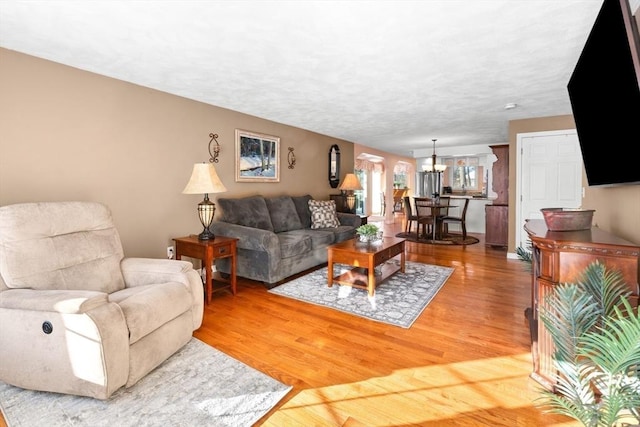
(596,333)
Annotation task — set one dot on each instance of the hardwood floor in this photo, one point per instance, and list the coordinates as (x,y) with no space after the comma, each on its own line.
(464,362)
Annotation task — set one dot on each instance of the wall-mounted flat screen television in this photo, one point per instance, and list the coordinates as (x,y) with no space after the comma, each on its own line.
(604,91)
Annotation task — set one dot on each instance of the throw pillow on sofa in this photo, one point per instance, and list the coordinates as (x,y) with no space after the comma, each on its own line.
(323,214)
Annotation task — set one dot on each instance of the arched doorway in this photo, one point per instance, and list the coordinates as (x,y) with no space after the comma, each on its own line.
(370,171)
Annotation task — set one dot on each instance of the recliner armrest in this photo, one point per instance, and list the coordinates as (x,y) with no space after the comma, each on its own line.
(59,301)
(148,271)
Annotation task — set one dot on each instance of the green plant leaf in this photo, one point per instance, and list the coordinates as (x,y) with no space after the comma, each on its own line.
(567,313)
(367,229)
(596,334)
(606,286)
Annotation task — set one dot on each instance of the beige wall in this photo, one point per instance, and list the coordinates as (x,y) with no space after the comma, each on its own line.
(617,208)
(67,134)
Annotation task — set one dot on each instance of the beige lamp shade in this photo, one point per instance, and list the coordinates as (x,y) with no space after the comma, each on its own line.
(204,179)
(350,183)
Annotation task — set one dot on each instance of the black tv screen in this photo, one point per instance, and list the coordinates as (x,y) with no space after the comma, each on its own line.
(604,91)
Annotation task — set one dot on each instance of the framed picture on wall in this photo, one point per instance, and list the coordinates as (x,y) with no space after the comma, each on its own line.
(257,157)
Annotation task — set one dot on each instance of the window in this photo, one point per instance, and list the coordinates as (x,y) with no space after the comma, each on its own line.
(464,174)
(400,175)
(400,180)
(361,195)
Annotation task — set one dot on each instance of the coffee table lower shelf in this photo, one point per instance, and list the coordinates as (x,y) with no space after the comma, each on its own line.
(358,277)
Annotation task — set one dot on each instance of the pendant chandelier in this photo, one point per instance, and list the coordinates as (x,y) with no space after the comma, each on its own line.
(435,167)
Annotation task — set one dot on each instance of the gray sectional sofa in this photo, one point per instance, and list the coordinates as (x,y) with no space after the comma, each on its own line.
(277,238)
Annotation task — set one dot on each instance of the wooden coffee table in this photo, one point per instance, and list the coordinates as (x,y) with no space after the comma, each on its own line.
(365,257)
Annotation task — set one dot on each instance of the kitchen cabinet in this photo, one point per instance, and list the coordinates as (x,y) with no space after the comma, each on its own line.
(500,173)
(497,214)
(497,225)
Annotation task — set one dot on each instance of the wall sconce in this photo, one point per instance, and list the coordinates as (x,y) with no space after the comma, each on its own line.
(291,158)
(216,148)
(348,186)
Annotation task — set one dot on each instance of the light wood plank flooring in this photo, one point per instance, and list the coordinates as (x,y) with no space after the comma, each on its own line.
(464,362)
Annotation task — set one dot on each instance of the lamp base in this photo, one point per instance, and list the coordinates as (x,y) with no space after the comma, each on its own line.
(351,203)
(206,235)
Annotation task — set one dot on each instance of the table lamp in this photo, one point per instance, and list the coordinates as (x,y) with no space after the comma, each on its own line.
(204,180)
(348,186)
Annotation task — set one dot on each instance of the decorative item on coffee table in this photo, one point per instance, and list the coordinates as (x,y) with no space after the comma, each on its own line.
(369,233)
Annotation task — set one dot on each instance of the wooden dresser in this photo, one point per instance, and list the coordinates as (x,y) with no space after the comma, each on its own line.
(561,257)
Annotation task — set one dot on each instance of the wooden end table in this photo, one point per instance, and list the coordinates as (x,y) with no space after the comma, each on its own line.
(365,257)
(208,251)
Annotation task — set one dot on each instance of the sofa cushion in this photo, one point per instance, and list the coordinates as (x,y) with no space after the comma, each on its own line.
(323,214)
(302,206)
(284,216)
(319,238)
(293,243)
(248,211)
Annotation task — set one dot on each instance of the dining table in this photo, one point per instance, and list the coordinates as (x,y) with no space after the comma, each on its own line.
(438,210)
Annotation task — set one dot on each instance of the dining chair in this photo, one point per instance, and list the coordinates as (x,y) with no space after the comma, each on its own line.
(445,200)
(409,215)
(451,219)
(423,215)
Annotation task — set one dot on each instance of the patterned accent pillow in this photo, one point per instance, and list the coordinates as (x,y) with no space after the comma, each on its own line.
(323,214)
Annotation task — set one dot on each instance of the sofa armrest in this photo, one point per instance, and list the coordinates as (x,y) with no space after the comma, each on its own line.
(253,239)
(58,301)
(349,219)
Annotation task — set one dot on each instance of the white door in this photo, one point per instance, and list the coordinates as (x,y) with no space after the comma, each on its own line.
(550,165)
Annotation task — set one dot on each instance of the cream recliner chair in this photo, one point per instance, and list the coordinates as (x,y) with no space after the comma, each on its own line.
(76,317)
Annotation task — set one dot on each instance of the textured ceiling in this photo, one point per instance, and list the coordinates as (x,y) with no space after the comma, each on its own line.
(387,74)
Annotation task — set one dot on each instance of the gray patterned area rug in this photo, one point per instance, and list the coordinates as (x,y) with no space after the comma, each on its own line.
(398,300)
(197,386)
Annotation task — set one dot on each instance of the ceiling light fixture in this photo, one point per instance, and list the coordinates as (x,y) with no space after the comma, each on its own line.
(436,170)
(510,106)
(435,167)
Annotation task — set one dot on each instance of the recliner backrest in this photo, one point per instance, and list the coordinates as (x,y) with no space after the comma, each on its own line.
(60,245)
